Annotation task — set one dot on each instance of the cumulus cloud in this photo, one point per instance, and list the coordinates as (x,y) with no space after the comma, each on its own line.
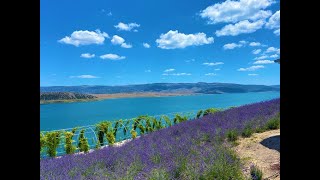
(252,68)
(177,74)
(273,49)
(274,21)
(126,27)
(174,39)
(169,70)
(87,55)
(80,37)
(85,77)
(263,62)
(231,46)
(274,56)
(253,74)
(212,63)
(242,27)
(256,51)
(234,11)
(261,57)
(112,57)
(277,32)
(117,40)
(255,44)
(146,45)
(125,45)
(210,74)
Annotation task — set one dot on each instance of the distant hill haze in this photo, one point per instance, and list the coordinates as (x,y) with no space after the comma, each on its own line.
(190,88)
(47,96)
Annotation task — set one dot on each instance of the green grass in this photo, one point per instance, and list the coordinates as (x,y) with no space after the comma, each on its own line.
(232,135)
(256,173)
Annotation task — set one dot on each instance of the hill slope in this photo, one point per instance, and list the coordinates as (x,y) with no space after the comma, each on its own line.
(200,87)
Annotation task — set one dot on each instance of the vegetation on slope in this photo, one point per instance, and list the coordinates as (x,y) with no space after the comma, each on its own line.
(188,150)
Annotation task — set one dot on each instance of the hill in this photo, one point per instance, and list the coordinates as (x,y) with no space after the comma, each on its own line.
(200,87)
(50,97)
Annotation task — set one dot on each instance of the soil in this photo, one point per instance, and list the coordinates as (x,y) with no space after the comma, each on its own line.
(262,150)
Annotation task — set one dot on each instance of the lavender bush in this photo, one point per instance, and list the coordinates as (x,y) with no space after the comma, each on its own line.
(188,150)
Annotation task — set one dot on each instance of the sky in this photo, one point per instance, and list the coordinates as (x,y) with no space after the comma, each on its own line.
(120,42)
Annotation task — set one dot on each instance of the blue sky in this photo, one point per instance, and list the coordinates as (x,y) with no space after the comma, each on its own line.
(95,42)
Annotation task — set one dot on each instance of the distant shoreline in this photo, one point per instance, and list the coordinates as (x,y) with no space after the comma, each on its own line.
(115,96)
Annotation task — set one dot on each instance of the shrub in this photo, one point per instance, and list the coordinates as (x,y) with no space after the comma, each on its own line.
(248,131)
(52,142)
(133,134)
(210,111)
(232,135)
(177,119)
(126,127)
(199,113)
(42,141)
(69,148)
(256,173)
(102,129)
(273,123)
(157,174)
(167,120)
(83,144)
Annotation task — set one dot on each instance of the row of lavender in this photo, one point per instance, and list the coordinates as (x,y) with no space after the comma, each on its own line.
(188,150)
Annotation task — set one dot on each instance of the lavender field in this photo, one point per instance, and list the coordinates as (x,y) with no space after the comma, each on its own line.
(193,149)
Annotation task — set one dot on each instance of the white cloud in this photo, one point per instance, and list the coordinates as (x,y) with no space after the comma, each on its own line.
(261,57)
(233,11)
(126,27)
(256,51)
(112,57)
(274,21)
(277,32)
(255,44)
(174,39)
(176,74)
(109,14)
(273,49)
(146,45)
(243,42)
(87,55)
(117,40)
(210,74)
(147,71)
(169,70)
(190,60)
(217,69)
(252,68)
(240,28)
(274,56)
(85,77)
(125,45)
(231,46)
(253,74)
(78,38)
(212,64)
(263,62)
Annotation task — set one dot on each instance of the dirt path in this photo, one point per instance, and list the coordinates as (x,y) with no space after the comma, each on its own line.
(263,150)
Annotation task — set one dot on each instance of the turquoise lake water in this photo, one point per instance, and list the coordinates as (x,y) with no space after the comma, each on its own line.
(68,115)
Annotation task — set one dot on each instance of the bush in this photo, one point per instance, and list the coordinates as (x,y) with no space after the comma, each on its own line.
(248,131)
(232,135)
(110,137)
(133,134)
(70,149)
(83,144)
(199,113)
(52,142)
(42,141)
(210,111)
(273,123)
(256,174)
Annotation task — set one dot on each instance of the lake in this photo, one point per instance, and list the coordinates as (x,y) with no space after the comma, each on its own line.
(69,115)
